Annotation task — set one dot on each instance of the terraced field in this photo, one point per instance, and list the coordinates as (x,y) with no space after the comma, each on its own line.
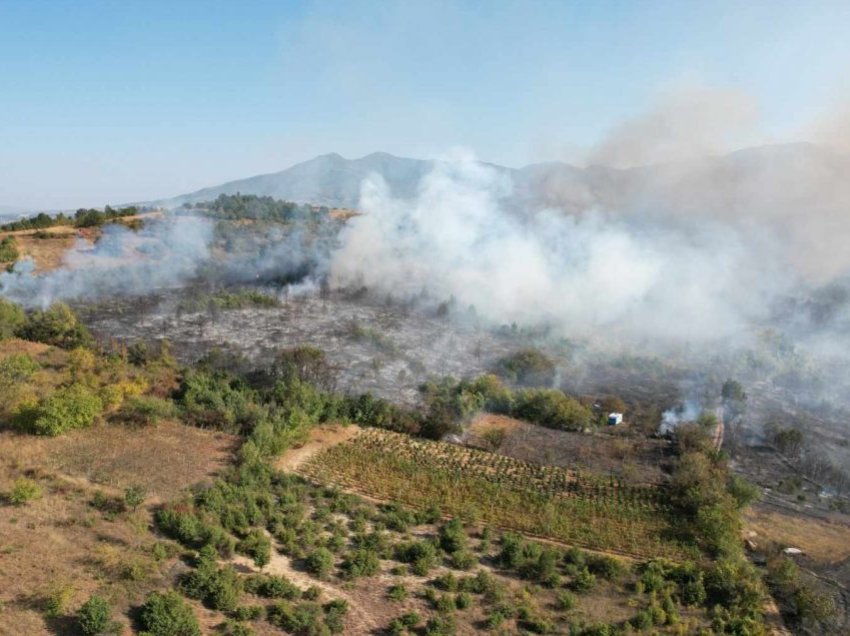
(568,506)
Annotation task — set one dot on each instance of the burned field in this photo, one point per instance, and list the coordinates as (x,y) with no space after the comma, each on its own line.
(384,347)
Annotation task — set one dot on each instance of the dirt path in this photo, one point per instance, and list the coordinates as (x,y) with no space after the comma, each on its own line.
(359,620)
(320,438)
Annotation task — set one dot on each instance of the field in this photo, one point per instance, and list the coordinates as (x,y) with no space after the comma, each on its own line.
(573,507)
(68,545)
(635,458)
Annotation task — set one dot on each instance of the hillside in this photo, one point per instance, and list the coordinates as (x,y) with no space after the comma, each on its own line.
(742,182)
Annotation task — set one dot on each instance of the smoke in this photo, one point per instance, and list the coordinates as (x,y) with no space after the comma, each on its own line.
(651,276)
(683,125)
(165,253)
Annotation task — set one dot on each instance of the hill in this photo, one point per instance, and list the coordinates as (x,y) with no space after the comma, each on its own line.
(749,181)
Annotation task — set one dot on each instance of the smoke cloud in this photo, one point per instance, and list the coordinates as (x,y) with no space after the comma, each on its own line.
(163,254)
(651,275)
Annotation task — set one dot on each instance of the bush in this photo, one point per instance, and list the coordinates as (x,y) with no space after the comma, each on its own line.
(166,614)
(528,367)
(12,319)
(335,612)
(218,588)
(551,408)
(17,368)
(65,409)
(94,616)
(320,562)
(57,326)
(146,410)
(257,546)
(303,619)
(584,581)
(452,536)
(361,562)
(24,490)
(397,593)
(272,587)
(134,496)
(421,555)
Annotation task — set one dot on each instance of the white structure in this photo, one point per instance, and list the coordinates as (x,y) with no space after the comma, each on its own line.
(614,419)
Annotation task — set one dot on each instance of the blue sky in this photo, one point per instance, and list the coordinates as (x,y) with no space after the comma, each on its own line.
(112,101)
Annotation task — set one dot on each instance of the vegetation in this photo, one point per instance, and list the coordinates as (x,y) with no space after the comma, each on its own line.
(690,575)
(249,206)
(24,490)
(95,616)
(166,614)
(75,406)
(544,500)
(528,367)
(82,218)
(8,251)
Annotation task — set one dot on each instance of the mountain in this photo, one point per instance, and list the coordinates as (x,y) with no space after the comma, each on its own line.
(329,180)
(764,179)
(11,212)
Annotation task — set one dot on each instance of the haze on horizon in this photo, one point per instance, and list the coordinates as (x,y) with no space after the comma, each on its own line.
(113,102)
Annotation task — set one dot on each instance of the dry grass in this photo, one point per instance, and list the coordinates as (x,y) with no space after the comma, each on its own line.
(60,539)
(826,542)
(163,458)
(636,459)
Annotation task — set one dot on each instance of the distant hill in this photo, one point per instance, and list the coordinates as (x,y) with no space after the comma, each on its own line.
(329,180)
(753,179)
(11,212)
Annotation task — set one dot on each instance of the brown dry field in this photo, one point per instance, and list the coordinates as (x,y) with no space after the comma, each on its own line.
(637,458)
(60,540)
(824,541)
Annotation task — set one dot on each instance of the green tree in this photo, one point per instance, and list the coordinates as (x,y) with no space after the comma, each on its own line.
(166,614)
(94,616)
(134,496)
(320,562)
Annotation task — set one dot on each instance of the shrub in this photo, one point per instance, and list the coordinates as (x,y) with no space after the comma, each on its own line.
(17,368)
(272,587)
(551,408)
(65,409)
(361,562)
(24,490)
(56,600)
(57,326)
(146,410)
(335,612)
(421,555)
(166,614)
(257,546)
(94,616)
(397,593)
(303,619)
(320,562)
(528,367)
(452,536)
(606,567)
(134,496)
(565,601)
(12,319)
(463,560)
(232,627)
(219,588)
(584,581)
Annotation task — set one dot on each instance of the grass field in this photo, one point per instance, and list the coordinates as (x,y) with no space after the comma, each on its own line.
(568,506)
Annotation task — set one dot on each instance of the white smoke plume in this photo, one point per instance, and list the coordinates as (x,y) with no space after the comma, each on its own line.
(646,277)
(163,254)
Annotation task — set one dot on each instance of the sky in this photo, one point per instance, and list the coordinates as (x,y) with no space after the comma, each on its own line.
(106,102)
